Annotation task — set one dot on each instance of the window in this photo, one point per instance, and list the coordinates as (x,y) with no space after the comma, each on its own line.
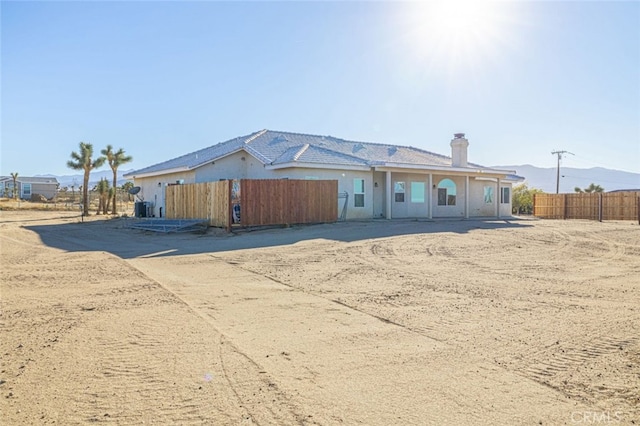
(398,189)
(358,192)
(26,190)
(488,194)
(417,192)
(505,195)
(446,193)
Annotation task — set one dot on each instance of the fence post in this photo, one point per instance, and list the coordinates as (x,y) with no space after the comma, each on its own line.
(638,209)
(600,207)
(564,214)
(230,204)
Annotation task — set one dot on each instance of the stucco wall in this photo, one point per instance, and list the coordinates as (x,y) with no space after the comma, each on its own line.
(449,211)
(478,207)
(411,206)
(153,188)
(379,198)
(233,167)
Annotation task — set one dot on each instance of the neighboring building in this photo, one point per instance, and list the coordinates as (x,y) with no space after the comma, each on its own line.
(382,181)
(28,186)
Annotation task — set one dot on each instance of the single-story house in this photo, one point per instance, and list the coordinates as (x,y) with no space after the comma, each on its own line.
(29,186)
(379,180)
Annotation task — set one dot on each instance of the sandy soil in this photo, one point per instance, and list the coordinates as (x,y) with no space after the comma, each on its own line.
(376,323)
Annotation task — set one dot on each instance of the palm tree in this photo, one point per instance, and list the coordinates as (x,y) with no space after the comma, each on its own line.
(14,176)
(115,159)
(84,161)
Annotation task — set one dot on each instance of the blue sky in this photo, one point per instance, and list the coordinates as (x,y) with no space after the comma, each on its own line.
(161,79)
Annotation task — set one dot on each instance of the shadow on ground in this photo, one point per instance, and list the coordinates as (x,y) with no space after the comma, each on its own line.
(114,236)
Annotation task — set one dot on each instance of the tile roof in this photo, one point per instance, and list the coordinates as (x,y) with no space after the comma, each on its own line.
(279,148)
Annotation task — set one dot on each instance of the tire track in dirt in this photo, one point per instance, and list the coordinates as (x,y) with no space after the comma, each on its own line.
(254,391)
(592,369)
(571,357)
(136,370)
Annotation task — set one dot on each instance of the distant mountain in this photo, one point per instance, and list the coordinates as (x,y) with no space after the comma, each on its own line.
(545,178)
(94,178)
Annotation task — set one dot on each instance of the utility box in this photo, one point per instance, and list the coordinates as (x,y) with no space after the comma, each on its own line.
(143,209)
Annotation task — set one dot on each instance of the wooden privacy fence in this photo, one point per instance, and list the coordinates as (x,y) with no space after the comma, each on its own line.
(209,200)
(596,206)
(286,201)
(262,202)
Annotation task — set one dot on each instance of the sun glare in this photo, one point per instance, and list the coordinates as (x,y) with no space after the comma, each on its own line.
(456,34)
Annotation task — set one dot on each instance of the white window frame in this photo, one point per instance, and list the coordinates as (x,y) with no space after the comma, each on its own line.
(447,194)
(504,189)
(25,186)
(358,189)
(399,187)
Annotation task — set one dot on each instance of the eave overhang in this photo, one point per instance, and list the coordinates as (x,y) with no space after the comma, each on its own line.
(135,175)
(296,164)
(463,171)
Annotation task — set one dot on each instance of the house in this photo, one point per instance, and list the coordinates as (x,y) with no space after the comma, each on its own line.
(29,186)
(378,180)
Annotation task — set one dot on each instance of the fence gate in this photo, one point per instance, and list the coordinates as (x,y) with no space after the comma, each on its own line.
(209,200)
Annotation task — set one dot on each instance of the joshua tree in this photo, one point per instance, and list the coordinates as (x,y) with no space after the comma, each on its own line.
(103,195)
(126,187)
(115,159)
(84,161)
(112,196)
(14,176)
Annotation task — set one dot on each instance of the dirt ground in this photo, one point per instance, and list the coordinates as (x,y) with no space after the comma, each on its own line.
(375,323)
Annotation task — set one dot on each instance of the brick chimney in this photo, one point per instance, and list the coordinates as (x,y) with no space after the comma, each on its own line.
(459,146)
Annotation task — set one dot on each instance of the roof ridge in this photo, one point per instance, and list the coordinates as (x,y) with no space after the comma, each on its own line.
(323,136)
(255,136)
(301,151)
